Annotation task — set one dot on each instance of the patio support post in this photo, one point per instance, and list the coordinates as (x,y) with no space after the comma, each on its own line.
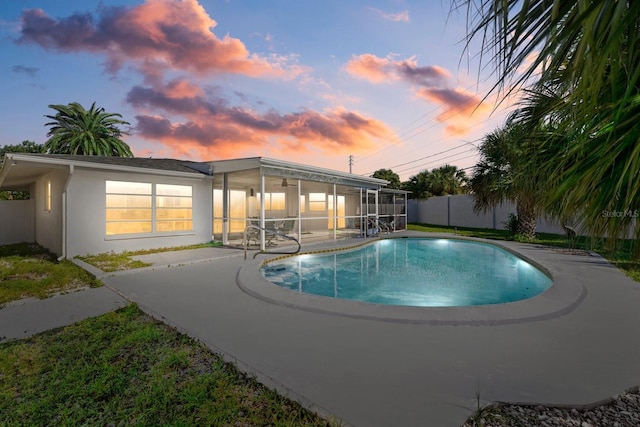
(299,211)
(335,212)
(225,208)
(262,236)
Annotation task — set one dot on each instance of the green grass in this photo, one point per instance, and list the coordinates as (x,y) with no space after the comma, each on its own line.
(124,368)
(111,261)
(28,270)
(624,254)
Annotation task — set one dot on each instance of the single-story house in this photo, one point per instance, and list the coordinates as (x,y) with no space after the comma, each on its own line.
(91,204)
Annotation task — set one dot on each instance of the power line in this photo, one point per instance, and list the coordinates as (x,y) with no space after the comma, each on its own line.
(441,164)
(427,157)
(434,123)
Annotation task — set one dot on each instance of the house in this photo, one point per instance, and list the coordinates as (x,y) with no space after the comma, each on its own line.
(90,204)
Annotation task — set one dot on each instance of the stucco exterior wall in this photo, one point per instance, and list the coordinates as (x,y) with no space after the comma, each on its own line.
(86,214)
(48,224)
(17,222)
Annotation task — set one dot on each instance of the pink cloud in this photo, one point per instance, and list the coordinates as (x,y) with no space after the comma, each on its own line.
(460,109)
(159,34)
(430,83)
(377,70)
(213,129)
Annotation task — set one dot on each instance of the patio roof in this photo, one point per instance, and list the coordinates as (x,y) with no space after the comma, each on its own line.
(296,170)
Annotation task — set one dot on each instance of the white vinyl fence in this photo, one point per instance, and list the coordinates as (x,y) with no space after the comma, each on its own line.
(17,222)
(457,211)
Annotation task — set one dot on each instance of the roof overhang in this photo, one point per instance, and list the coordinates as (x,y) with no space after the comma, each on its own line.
(19,170)
(297,171)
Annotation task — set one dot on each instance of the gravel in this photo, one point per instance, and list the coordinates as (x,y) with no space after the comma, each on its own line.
(622,411)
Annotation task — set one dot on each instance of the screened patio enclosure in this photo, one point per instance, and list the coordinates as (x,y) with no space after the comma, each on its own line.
(305,202)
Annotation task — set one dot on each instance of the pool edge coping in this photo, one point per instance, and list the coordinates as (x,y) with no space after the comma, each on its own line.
(561,298)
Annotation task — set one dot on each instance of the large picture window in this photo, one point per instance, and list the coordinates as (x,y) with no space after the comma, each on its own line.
(140,207)
(173,208)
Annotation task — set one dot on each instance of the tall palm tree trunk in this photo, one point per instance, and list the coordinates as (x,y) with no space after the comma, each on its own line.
(526,218)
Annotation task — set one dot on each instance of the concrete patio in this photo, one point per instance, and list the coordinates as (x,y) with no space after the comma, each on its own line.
(389,373)
(576,344)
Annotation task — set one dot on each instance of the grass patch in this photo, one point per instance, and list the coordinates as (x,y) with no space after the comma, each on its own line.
(125,368)
(111,261)
(28,270)
(623,254)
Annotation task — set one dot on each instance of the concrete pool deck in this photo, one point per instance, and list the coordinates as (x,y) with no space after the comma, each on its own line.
(387,372)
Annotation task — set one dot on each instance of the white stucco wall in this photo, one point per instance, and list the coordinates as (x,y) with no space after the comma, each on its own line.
(17,222)
(48,224)
(86,215)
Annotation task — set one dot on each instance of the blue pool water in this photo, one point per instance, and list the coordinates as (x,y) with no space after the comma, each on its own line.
(413,272)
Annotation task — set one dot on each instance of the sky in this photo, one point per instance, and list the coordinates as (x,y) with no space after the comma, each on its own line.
(387,82)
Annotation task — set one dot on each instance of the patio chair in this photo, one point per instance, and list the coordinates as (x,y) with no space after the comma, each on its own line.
(254,234)
(287,225)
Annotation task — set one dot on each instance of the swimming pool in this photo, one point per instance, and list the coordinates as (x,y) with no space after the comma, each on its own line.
(422,272)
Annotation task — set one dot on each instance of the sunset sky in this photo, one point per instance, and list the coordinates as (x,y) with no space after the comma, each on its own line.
(305,81)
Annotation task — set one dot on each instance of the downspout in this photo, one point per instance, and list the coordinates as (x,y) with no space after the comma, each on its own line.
(64,214)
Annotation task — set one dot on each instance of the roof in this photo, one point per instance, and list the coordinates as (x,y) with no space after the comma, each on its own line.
(296,170)
(21,169)
(132,162)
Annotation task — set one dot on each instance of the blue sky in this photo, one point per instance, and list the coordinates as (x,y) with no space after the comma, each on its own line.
(312,82)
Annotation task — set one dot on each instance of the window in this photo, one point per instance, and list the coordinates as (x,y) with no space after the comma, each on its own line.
(140,207)
(173,208)
(302,203)
(237,210)
(340,211)
(47,197)
(317,202)
(273,201)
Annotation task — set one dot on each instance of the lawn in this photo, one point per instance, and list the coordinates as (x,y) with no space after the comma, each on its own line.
(28,270)
(111,261)
(624,254)
(124,368)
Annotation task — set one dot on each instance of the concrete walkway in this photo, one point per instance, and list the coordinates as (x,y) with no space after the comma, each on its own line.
(392,373)
(27,317)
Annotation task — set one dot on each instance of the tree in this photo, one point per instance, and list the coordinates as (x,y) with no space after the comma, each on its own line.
(589,52)
(92,132)
(389,175)
(23,147)
(442,181)
(502,174)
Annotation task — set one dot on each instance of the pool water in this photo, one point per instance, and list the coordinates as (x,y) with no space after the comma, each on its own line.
(413,272)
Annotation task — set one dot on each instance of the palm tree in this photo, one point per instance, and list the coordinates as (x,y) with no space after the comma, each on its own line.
(441,181)
(589,52)
(504,174)
(92,132)
(448,180)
